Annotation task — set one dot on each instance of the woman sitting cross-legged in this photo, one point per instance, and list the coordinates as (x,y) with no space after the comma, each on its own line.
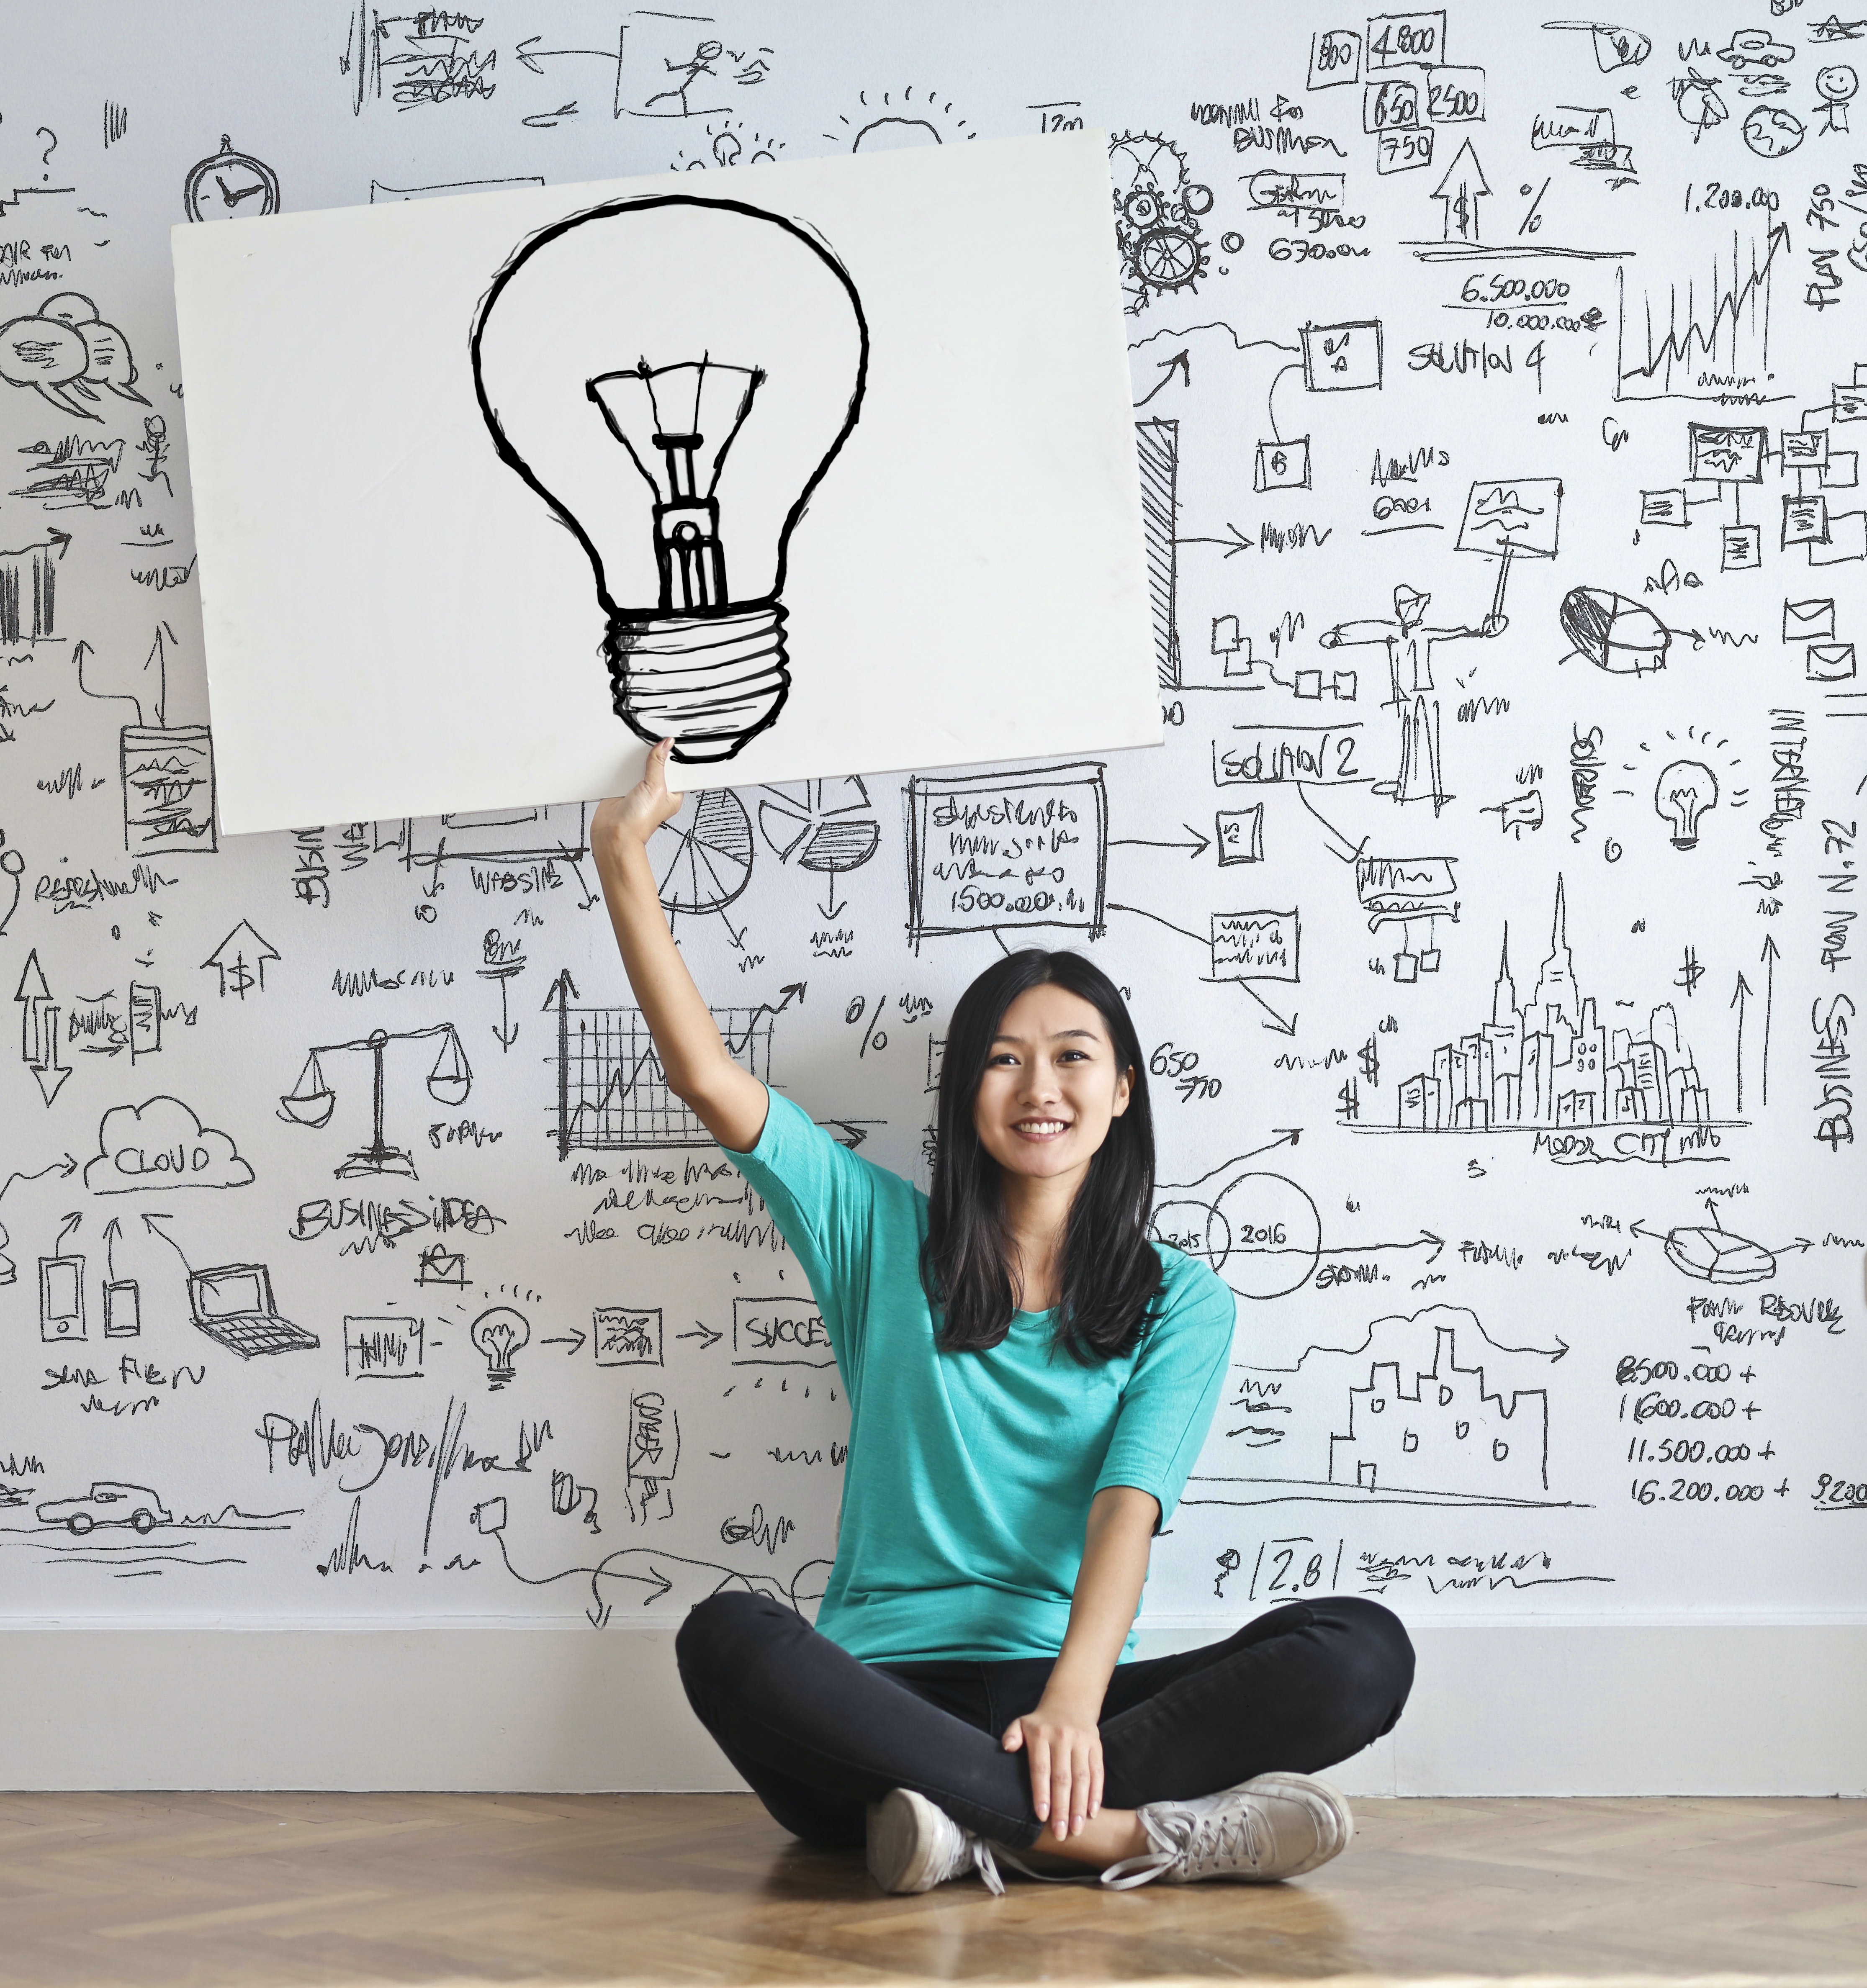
(1030,1378)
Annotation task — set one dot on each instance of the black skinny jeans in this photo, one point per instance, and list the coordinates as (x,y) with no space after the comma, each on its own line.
(819,1735)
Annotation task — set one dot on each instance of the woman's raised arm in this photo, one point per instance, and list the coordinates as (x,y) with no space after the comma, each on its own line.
(727,1099)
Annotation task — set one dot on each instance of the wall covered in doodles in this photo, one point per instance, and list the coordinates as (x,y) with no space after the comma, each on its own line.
(1489,914)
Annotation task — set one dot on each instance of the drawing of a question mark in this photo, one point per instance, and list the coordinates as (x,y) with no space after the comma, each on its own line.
(45,157)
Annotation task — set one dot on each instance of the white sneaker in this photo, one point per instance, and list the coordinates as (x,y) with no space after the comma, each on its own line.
(913,1845)
(1275,1826)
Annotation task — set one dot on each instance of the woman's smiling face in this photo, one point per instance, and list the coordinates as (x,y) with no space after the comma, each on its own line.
(1050,1086)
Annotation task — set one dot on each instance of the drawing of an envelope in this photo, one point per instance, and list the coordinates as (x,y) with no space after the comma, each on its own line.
(1829,662)
(1809,620)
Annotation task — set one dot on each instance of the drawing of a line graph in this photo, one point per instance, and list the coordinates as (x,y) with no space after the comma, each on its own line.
(612,1092)
(1706,338)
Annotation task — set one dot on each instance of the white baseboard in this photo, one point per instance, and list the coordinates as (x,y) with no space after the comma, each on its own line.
(1536,1710)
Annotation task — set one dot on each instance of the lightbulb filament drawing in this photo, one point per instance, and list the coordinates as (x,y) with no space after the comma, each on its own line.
(687,547)
(602,331)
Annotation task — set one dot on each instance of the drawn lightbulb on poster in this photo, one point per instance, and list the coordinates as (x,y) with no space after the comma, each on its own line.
(674,376)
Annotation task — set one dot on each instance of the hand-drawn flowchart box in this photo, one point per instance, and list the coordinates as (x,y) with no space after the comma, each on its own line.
(1255,945)
(782,1331)
(1002,851)
(624,1337)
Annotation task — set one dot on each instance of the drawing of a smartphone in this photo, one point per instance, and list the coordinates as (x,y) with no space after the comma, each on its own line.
(123,1309)
(61,1297)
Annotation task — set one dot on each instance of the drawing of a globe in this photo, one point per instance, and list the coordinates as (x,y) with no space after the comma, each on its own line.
(702,859)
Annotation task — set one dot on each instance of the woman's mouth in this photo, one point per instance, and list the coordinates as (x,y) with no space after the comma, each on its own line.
(1041,1129)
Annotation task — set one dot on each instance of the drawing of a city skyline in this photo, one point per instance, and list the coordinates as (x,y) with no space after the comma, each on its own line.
(1551,1063)
(1427,1410)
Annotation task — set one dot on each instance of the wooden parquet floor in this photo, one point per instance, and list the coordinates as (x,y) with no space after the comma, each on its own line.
(248,1891)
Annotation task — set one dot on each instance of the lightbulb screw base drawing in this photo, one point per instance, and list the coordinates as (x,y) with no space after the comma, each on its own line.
(711,681)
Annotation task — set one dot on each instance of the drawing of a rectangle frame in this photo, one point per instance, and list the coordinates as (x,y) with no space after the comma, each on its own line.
(999,852)
(779,1332)
(555,832)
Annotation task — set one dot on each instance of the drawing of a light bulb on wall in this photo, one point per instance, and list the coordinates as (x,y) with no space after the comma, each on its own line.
(1685,791)
(499,1334)
(674,376)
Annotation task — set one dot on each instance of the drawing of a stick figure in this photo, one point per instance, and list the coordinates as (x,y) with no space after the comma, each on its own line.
(1835,86)
(699,64)
(1410,685)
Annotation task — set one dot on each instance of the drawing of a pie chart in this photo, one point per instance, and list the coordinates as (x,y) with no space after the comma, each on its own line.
(825,826)
(1262,1234)
(702,859)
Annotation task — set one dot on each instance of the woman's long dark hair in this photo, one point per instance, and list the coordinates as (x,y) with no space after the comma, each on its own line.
(1110,1273)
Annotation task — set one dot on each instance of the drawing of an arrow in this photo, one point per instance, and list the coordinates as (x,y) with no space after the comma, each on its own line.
(792,990)
(38,1030)
(705,1334)
(1283,1026)
(1276,1021)
(573,1339)
(844,1132)
(1460,190)
(1288,1136)
(1349,852)
(1769,958)
(240,959)
(1181,362)
(153,1224)
(1425,1239)
(1197,846)
(1740,995)
(1552,1355)
(64,1168)
(81,650)
(534,57)
(158,661)
(1237,543)
(507,1030)
(112,1229)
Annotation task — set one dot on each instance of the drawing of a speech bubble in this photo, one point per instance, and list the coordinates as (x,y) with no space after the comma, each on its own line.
(66,349)
(110,365)
(45,354)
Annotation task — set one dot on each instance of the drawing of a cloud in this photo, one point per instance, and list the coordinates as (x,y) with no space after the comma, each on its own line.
(161,1143)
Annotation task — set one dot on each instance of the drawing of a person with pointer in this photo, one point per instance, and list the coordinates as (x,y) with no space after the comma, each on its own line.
(1410,686)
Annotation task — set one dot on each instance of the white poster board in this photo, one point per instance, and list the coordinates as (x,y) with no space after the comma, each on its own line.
(806,467)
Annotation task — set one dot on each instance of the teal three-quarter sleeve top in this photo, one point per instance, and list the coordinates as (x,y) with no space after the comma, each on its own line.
(967,1485)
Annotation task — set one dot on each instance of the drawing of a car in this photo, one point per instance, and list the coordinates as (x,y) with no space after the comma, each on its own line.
(108,1504)
(1758,45)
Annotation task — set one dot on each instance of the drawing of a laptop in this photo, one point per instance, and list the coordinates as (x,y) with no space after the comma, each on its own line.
(234,1305)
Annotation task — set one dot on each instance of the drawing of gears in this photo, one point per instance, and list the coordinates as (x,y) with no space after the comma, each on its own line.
(1157,208)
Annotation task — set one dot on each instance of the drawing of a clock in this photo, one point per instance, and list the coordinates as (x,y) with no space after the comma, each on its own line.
(230,184)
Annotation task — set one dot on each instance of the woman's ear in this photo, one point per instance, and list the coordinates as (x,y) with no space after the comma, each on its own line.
(1125,1088)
